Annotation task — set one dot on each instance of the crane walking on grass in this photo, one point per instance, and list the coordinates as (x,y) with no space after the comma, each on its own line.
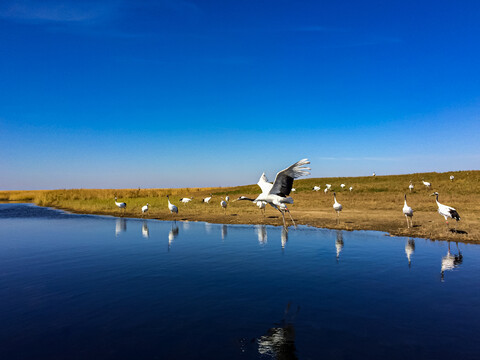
(121,205)
(207,199)
(145,209)
(171,207)
(410,187)
(408,212)
(427,184)
(445,210)
(337,206)
(186,200)
(224,205)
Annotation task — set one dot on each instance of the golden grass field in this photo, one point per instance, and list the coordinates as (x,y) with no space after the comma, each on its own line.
(374,204)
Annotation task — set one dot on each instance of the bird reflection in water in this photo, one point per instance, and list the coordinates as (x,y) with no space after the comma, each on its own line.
(120,226)
(208,228)
(409,250)
(224,232)
(284,236)
(279,341)
(261,231)
(451,261)
(173,233)
(339,243)
(186,225)
(145,232)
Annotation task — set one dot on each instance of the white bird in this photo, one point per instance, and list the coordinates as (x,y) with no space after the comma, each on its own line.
(452,177)
(227,198)
(145,209)
(446,211)
(329,186)
(171,207)
(262,205)
(207,199)
(351,188)
(342,185)
(427,184)
(186,200)
(336,206)
(410,187)
(224,205)
(326,190)
(277,193)
(121,205)
(316,188)
(293,189)
(374,174)
(408,212)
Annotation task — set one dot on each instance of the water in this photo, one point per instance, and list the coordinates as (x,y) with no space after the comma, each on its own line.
(76,287)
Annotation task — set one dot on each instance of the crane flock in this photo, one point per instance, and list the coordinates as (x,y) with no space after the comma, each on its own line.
(276,195)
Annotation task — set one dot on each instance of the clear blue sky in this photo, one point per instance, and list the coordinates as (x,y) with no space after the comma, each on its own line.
(175,93)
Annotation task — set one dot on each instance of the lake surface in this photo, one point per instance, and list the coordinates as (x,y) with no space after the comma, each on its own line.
(77,287)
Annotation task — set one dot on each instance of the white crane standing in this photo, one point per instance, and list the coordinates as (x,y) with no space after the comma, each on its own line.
(171,207)
(224,205)
(342,186)
(121,205)
(408,212)
(227,198)
(445,210)
(337,206)
(427,184)
(329,186)
(326,190)
(452,177)
(410,187)
(351,188)
(207,199)
(145,209)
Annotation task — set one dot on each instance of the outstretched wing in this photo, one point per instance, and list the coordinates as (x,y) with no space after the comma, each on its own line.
(264,184)
(284,179)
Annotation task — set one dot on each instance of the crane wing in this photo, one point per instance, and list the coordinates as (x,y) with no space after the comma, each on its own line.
(284,179)
(264,184)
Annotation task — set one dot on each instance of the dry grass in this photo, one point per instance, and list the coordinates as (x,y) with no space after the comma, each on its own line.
(374,204)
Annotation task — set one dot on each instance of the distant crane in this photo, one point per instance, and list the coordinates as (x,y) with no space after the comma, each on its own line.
(351,188)
(316,188)
(342,185)
(260,204)
(121,205)
(410,187)
(224,205)
(408,212)
(207,199)
(171,207)
(427,184)
(186,200)
(445,210)
(293,189)
(374,174)
(227,198)
(326,190)
(145,209)
(336,206)
(329,186)
(452,177)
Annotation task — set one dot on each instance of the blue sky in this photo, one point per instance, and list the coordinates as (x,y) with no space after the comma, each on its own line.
(176,93)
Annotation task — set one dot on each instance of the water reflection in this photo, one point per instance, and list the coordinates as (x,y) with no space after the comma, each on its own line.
(186,225)
(284,236)
(339,243)
(261,231)
(409,250)
(279,341)
(224,232)
(145,232)
(451,261)
(208,228)
(173,233)
(120,226)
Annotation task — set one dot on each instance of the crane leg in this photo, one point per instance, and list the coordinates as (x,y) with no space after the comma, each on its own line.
(283,216)
(291,217)
(408,225)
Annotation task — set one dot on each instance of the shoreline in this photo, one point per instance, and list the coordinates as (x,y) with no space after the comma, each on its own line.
(235,219)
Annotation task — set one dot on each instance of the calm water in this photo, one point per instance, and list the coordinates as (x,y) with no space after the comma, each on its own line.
(77,287)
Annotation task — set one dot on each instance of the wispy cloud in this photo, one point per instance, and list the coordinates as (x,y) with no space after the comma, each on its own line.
(54,11)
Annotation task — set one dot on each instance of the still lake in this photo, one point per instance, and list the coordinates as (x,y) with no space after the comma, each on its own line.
(81,286)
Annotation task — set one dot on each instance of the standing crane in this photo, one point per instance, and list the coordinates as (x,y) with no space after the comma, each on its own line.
(121,205)
(408,212)
(445,210)
(171,207)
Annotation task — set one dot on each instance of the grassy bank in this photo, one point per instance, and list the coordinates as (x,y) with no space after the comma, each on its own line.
(374,204)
